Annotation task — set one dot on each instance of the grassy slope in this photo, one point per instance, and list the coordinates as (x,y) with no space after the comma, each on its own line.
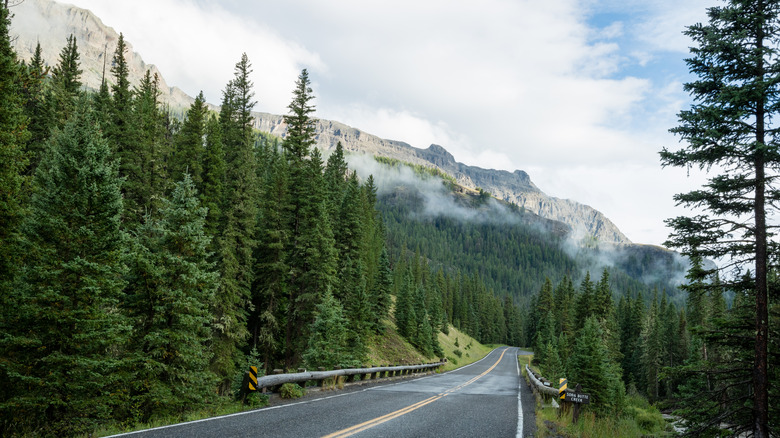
(393,349)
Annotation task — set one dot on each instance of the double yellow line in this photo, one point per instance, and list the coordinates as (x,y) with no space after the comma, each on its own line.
(379,420)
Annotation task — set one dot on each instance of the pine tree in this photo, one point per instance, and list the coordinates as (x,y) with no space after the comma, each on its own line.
(300,125)
(152,181)
(327,343)
(35,107)
(730,129)
(172,285)
(13,136)
(237,225)
(380,296)
(269,291)
(66,329)
(189,143)
(590,366)
(66,81)
(585,302)
(212,192)
(122,136)
(652,350)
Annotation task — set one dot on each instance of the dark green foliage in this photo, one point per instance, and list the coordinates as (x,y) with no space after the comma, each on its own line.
(590,366)
(300,124)
(510,257)
(189,145)
(236,227)
(269,291)
(13,137)
(66,82)
(327,344)
(66,330)
(35,88)
(291,390)
(171,286)
(149,184)
(731,131)
(122,137)
(213,190)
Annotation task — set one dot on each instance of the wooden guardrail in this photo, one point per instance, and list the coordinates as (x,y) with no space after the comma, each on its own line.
(566,398)
(274,380)
(540,384)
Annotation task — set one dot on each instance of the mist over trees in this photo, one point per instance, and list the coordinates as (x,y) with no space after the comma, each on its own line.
(147,259)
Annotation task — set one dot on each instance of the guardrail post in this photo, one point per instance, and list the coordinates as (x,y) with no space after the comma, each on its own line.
(321,382)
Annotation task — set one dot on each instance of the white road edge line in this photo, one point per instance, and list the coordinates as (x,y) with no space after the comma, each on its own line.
(290,404)
(519,400)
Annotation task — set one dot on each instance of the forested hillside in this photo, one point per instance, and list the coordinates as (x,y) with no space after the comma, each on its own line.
(513,251)
(147,260)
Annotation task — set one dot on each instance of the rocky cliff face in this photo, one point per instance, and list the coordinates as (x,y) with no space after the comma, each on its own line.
(50,23)
(516,187)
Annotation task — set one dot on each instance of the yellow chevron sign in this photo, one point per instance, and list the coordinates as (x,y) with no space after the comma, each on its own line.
(253,378)
(562,385)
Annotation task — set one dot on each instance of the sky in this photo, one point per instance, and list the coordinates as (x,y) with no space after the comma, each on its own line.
(578,93)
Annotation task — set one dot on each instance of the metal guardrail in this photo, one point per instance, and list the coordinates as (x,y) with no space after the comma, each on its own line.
(274,380)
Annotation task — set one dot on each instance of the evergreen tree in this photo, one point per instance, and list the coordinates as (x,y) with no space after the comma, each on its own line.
(35,108)
(66,81)
(212,192)
(121,134)
(236,231)
(271,270)
(13,136)
(380,296)
(152,181)
(300,125)
(189,143)
(66,328)
(590,366)
(585,302)
(171,288)
(327,344)
(731,127)
(652,350)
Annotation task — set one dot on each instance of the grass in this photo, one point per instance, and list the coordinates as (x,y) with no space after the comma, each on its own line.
(222,406)
(639,419)
(392,349)
(471,350)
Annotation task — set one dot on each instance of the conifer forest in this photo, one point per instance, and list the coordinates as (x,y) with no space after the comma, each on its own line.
(150,255)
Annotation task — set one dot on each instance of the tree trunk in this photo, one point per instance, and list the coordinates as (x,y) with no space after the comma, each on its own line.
(760,376)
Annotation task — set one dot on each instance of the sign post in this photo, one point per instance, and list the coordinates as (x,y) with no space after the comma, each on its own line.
(578,398)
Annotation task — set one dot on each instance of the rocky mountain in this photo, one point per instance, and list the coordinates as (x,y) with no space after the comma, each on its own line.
(50,23)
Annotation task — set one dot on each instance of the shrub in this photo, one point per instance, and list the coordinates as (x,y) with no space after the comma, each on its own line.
(458,352)
(291,390)
(256,399)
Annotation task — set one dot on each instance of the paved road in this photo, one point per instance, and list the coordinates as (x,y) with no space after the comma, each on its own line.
(487,398)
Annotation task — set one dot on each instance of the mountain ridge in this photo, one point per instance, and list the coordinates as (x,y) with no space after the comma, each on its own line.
(50,22)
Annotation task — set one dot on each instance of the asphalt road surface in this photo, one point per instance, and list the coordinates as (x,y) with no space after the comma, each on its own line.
(486,399)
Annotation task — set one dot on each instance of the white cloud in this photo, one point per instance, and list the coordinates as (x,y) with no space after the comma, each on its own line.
(525,84)
(196,46)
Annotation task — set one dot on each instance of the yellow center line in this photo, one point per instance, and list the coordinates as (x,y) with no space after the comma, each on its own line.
(379,420)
